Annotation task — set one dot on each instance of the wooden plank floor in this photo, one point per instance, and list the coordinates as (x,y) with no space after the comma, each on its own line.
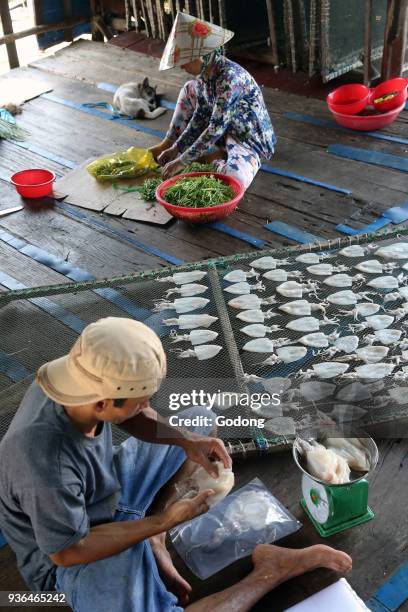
(71,136)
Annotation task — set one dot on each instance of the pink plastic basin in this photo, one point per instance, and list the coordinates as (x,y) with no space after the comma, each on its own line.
(367,123)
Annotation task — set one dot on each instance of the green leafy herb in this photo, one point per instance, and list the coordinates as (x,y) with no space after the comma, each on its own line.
(148,189)
(11,131)
(199,192)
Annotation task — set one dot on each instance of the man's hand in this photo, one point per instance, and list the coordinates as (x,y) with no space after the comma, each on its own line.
(172,168)
(186,509)
(202,449)
(168,155)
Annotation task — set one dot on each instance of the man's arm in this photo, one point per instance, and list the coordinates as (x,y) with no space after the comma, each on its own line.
(110,539)
(151,427)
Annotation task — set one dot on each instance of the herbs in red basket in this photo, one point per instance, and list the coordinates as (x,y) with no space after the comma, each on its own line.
(199,192)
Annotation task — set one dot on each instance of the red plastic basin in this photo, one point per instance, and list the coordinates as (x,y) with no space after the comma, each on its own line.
(348,99)
(392,85)
(201,215)
(367,123)
(33,183)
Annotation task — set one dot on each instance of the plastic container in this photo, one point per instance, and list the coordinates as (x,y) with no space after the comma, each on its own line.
(367,123)
(399,85)
(349,99)
(201,215)
(33,183)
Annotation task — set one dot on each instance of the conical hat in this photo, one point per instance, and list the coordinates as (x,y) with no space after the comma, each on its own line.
(191,38)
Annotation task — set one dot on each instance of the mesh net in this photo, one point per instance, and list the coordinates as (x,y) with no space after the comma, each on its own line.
(34,331)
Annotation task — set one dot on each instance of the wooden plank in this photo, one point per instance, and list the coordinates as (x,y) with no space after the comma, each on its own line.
(87,60)
(67,24)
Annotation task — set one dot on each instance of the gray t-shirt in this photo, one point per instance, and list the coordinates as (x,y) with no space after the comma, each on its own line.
(54,484)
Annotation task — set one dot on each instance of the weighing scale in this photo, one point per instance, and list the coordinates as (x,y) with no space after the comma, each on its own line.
(334,508)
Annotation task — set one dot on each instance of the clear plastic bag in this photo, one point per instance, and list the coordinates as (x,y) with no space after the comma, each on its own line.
(231,529)
(126,164)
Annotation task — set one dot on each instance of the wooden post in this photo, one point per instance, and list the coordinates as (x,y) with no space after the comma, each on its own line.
(7,25)
(368,24)
(272,32)
(395,39)
(69,33)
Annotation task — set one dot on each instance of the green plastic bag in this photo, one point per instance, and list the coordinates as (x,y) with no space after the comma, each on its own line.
(126,164)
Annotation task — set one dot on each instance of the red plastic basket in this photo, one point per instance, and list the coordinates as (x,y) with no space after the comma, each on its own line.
(349,99)
(33,183)
(201,215)
(367,123)
(392,85)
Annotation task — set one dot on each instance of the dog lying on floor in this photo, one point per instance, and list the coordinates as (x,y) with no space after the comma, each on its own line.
(138,100)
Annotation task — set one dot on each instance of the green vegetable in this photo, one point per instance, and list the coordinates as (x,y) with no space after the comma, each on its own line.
(11,131)
(148,189)
(199,192)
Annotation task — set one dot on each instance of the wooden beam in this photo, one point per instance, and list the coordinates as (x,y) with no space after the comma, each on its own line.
(7,25)
(368,25)
(40,29)
(395,39)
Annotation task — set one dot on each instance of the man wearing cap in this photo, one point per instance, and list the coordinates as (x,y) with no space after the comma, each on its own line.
(89,519)
(221,116)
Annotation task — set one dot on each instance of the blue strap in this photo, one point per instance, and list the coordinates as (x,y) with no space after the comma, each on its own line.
(74,273)
(395,215)
(406,106)
(56,311)
(289,231)
(370,157)
(67,163)
(393,593)
(225,229)
(335,126)
(79,214)
(372,227)
(114,113)
(112,88)
(12,368)
(304,179)
(96,113)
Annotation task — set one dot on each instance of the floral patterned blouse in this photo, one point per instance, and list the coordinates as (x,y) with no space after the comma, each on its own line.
(228,101)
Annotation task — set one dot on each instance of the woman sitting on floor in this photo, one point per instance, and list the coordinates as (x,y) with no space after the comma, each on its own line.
(223,109)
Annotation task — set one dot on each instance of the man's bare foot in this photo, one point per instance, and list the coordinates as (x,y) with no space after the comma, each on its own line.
(158,149)
(277,564)
(170,576)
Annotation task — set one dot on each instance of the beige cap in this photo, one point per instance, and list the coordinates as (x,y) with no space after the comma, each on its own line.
(191,38)
(112,358)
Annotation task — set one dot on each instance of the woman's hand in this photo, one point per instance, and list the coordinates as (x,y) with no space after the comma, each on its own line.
(172,168)
(168,155)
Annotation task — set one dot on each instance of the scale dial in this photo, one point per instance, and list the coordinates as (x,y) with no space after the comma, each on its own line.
(316,499)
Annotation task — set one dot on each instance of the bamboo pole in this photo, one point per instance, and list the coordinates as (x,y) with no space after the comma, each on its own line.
(395,39)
